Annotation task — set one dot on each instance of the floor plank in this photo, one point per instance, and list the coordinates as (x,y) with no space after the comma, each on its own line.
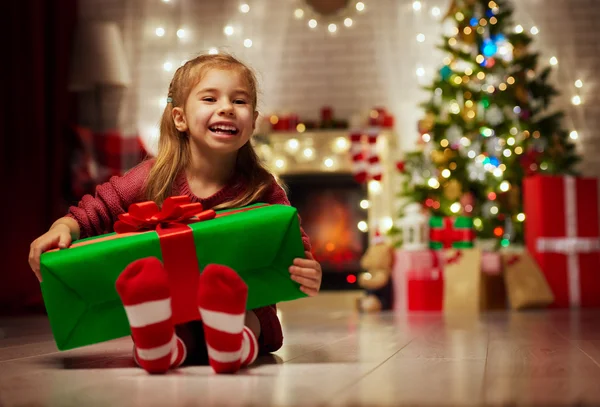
(332,356)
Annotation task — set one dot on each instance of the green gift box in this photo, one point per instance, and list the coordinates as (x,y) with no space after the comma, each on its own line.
(259,242)
(451,232)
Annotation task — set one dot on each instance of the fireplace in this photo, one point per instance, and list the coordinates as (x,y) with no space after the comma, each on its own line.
(329,207)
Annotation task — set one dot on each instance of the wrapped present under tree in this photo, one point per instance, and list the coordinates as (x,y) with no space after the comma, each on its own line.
(561,233)
(451,232)
(259,242)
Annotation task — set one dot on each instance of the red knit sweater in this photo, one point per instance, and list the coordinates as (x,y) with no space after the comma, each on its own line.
(97,215)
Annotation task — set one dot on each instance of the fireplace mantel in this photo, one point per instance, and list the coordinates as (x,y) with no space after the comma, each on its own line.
(283,153)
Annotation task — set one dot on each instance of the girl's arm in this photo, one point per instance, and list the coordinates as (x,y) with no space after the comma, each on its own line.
(96,215)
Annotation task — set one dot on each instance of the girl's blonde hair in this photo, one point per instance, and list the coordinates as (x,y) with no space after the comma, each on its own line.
(173,145)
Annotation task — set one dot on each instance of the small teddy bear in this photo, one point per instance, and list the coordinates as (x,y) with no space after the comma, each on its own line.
(376,279)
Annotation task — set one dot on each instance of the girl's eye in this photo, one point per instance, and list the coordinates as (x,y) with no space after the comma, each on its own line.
(239,101)
(208,99)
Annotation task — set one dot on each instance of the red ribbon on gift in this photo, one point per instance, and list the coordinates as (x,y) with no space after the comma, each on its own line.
(512,260)
(454,258)
(176,244)
(448,234)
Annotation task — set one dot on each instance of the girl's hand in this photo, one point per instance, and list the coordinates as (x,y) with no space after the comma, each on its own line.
(307,272)
(58,236)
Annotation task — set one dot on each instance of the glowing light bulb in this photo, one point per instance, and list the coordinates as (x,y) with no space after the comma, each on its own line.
(167,66)
(308,152)
(519,29)
(181,33)
(374,187)
(421,37)
(504,186)
(521,217)
(244,8)
(386,224)
(160,32)
(534,30)
(433,183)
(293,145)
(348,22)
(574,135)
(332,28)
(362,226)
(446,173)
(312,23)
(364,204)
(576,100)
(416,5)
(360,6)
(436,12)
(553,61)
(228,30)
(299,13)
(578,83)
(247,43)
(328,162)
(455,207)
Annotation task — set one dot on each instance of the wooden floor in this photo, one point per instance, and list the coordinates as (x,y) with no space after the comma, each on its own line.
(332,356)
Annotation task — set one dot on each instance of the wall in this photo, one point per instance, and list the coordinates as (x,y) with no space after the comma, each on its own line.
(372,63)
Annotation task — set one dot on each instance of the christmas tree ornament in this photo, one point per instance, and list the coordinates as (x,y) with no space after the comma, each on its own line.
(494,115)
(452,190)
(454,134)
(426,123)
(438,157)
(521,94)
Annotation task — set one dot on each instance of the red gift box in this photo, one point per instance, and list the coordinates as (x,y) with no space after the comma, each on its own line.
(562,234)
(425,289)
(417,279)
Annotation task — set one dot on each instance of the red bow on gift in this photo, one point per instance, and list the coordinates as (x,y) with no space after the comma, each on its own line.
(147,215)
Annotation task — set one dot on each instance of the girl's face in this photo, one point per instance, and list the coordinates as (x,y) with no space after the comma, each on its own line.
(218,113)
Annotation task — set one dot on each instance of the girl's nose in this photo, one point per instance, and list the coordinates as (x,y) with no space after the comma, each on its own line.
(226,109)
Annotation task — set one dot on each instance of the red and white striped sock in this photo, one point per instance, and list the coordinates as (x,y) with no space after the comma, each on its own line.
(222,298)
(144,290)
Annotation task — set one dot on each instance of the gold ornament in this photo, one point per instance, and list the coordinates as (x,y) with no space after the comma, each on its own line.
(438,157)
(519,50)
(521,94)
(426,124)
(453,190)
(469,113)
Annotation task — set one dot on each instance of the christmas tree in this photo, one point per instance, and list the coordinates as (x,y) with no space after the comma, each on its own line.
(487,124)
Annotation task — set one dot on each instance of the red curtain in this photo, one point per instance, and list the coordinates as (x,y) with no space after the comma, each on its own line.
(37,110)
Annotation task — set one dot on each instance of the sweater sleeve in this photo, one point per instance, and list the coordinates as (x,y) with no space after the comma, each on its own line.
(276,195)
(97,214)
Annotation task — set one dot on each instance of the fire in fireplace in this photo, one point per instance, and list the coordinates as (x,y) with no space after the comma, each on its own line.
(329,208)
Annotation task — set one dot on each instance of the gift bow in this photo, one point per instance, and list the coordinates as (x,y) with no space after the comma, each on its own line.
(147,216)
